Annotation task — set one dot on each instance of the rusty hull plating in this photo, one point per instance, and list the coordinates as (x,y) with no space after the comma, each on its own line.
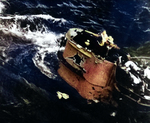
(97,68)
(83,64)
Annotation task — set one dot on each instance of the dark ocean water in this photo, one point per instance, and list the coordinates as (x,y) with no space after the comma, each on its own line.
(29,81)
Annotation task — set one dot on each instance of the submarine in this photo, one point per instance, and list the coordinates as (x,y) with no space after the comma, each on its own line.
(101,71)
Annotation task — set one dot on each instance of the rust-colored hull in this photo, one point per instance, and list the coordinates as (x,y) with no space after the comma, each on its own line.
(83,66)
(98,76)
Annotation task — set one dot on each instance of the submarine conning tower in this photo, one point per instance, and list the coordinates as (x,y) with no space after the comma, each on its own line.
(99,44)
(83,64)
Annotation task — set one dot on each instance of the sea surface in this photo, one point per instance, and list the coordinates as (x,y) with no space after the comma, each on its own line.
(29,82)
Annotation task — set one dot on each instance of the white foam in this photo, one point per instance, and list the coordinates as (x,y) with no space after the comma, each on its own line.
(147,30)
(147,8)
(6,18)
(129,64)
(147,97)
(46,44)
(44,39)
(136,80)
(38,60)
(31,17)
(2,7)
(38,35)
(49,17)
(147,72)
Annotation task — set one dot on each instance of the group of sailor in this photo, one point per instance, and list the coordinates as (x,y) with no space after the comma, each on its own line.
(139,76)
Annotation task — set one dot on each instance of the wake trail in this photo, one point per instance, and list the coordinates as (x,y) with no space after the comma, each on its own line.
(45,41)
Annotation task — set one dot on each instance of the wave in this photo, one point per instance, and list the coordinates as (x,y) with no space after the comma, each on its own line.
(2,7)
(31,5)
(47,49)
(147,30)
(45,40)
(29,26)
(147,8)
(31,17)
(71,5)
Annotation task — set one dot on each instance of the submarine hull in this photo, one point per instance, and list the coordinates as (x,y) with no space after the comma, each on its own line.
(99,71)
(91,77)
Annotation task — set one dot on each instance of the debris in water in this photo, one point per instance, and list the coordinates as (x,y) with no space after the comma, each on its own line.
(61,95)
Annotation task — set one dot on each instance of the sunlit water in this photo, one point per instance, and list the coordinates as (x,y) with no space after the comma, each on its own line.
(29,31)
